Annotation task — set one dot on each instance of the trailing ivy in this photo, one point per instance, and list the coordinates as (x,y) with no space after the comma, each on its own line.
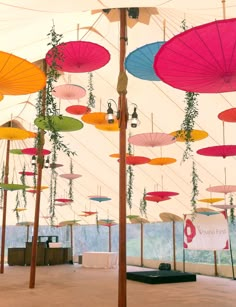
(195,191)
(130,174)
(22,179)
(91,97)
(231,202)
(16,207)
(71,181)
(143,204)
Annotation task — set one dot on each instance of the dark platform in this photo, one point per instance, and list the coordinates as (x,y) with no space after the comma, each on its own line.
(160,277)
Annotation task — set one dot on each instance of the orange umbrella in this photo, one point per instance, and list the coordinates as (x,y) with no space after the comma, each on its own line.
(18,76)
(162,161)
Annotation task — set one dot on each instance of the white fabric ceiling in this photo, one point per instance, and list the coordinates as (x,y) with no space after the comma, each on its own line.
(24,26)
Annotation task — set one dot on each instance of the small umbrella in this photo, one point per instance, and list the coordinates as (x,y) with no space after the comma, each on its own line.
(18,76)
(108,223)
(156,198)
(136,160)
(27,224)
(218,151)
(228,115)
(162,193)
(79,56)
(195,135)
(34,151)
(99,198)
(222,189)
(162,161)
(95,118)
(11,133)
(69,91)
(108,127)
(59,123)
(151,139)
(224,206)
(78,110)
(139,62)
(70,176)
(211,200)
(201,59)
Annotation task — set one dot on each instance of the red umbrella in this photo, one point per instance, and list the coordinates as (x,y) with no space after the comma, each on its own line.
(136,160)
(156,198)
(69,91)
(78,110)
(162,194)
(34,151)
(201,59)
(79,56)
(151,139)
(218,151)
(222,189)
(228,115)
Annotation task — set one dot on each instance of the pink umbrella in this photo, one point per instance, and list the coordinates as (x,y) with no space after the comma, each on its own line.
(78,110)
(27,173)
(218,151)
(222,189)
(64,200)
(156,198)
(162,193)
(79,56)
(224,206)
(34,151)
(70,176)
(201,59)
(151,139)
(228,115)
(136,160)
(69,91)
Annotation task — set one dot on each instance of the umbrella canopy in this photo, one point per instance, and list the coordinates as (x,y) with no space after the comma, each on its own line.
(211,200)
(95,118)
(136,160)
(156,198)
(224,206)
(228,115)
(162,161)
(59,123)
(70,176)
(162,194)
(79,56)
(18,76)
(222,189)
(195,135)
(151,139)
(10,133)
(139,62)
(218,151)
(170,217)
(207,53)
(78,110)
(69,91)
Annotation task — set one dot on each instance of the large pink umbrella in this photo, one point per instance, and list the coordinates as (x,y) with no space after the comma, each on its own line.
(79,56)
(69,91)
(201,59)
(151,139)
(218,151)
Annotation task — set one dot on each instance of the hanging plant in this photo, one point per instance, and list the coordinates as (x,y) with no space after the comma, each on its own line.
(231,202)
(130,174)
(16,207)
(143,204)
(195,191)
(52,196)
(22,179)
(71,181)
(91,97)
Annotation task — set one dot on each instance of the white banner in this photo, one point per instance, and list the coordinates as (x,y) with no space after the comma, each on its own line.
(206,231)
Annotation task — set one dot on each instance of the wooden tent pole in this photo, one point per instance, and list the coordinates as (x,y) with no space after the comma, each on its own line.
(71,242)
(215,263)
(174,249)
(38,194)
(141,230)
(122,287)
(4,213)
(109,228)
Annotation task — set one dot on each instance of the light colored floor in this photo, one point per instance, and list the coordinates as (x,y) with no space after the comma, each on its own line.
(72,285)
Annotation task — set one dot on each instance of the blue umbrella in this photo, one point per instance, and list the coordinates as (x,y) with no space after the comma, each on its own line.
(139,62)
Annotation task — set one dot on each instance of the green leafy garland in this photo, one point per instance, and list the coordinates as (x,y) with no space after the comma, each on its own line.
(22,179)
(52,196)
(71,181)
(16,207)
(195,191)
(231,202)
(91,97)
(143,204)
(130,180)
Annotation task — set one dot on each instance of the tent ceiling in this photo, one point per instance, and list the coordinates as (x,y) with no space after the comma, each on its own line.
(23,30)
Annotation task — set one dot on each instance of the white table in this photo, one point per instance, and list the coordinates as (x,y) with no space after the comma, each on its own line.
(100,260)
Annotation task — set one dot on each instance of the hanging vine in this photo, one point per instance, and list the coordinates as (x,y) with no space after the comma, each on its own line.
(91,97)
(195,190)
(71,181)
(22,179)
(52,196)
(143,204)
(231,202)
(16,207)
(130,174)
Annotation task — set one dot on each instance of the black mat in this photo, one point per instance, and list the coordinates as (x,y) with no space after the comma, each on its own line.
(161,277)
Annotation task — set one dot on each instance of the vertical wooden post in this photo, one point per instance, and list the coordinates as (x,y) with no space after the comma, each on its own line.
(4,213)
(71,242)
(109,229)
(38,194)
(141,233)
(174,249)
(215,263)
(122,291)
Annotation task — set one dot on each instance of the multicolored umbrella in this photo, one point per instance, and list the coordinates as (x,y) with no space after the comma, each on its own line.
(79,56)
(69,91)
(201,59)
(18,76)
(139,62)
(218,151)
